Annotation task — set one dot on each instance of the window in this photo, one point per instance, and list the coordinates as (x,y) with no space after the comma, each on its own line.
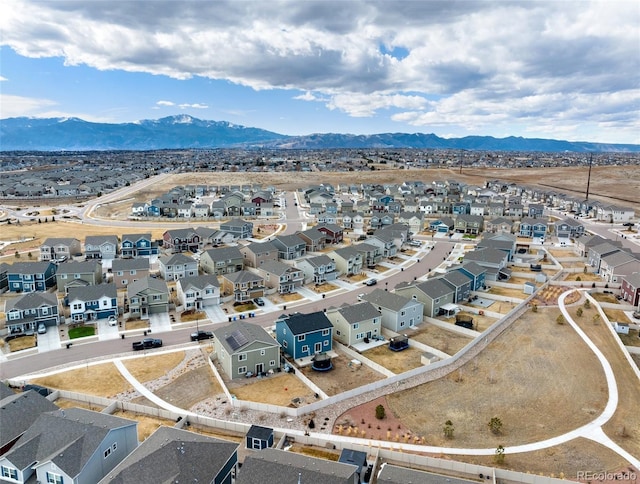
(107,452)
(338,332)
(285,344)
(262,352)
(272,363)
(156,297)
(242,370)
(301,337)
(54,478)
(45,310)
(325,342)
(10,473)
(305,349)
(356,325)
(242,357)
(325,332)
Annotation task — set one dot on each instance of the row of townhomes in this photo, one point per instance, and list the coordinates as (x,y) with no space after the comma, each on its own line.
(42,443)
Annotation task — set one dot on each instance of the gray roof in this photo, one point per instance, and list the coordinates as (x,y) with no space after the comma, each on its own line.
(224,253)
(387,300)
(473,268)
(347,252)
(136,237)
(147,283)
(173,455)
(488,254)
(434,288)
(18,411)
(138,263)
(261,247)
(49,241)
(276,267)
(100,239)
(605,248)
(633,279)
(173,259)
(394,474)
(32,300)
(619,258)
(93,293)
(250,332)
(300,323)
(28,267)
(68,438)
(355,313)
(198,282)
(77,267)
(290,240)
(272,465)
(242,276)
(456,278)
(319,260)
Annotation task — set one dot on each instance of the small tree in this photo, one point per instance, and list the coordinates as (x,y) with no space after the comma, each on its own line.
(579,312)
(585,269)
(578,279)
(495,425)
(448,429)
(499,457)
(17,255)
(380,412)
(30,255)
(534,308)
(560,319)
(587,304)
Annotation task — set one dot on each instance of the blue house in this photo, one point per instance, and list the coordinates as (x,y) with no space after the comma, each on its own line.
(138,245)
(461,208)
(477,274)
(530,227)
(31,276)
(303,335)
(90,303)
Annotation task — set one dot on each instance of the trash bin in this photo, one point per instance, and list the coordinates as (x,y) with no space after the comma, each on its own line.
(122,336)
(145,333)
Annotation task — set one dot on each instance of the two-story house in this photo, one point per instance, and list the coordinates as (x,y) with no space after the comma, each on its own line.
(348,260)
(60,249)
(493,260)
(198,292)
(101,247)
(126,271)
(78,274)
(290,247)
(460,283)
(333,233)
(303,335)
(243,348)
(569,229)
(282,277)
(630,288)
(435,294)
(222,260)
(469,224)
(238,228)
(138,245)
(176,266)
(614,267)
(314,239)
(318,269)
(397,312)
(181,240)
(257,253)
(23,314)
(147,296)
(476,273)
(31,276)
(355,323)
(91,303)
(531,227)
(243,285)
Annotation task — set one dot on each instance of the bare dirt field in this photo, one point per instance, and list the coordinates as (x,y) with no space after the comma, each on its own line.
(146,424)
(513,292)
(514,373)
(103,380)
(448,342)
(66,403)
(395,361)
(148,368)
(342,377)
(190,387)
(277,389)
(581,276)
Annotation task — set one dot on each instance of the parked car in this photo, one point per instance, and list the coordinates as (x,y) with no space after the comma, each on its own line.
(628,224)
(112,321)
(636,314)
(200,335)
(259,301)
(371,282)
(42,329)
(415,243)
(146,344)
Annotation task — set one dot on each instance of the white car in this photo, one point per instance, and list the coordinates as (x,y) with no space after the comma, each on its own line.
(112,321)
(42,329)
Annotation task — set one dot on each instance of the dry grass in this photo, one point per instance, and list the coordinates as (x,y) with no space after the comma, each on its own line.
(604,298)
(342,377)
(190,388)
(211,432)
(278,389)
(535,365)
(316,452)
(448,342)
(22,343)
(66,403)
(507,292)
(588,277)
(616,315)
(187,316)
(136,324)
(630,339)
(149,368)
(103,380)
(146,424)
(324,287)
(395,361)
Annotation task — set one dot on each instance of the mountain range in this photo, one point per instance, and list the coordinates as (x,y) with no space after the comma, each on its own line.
(184,132)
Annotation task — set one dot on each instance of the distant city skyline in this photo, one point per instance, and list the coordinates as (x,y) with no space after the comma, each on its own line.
(537,69)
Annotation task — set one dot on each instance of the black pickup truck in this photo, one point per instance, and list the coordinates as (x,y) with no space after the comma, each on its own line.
(200,335)
(146,344)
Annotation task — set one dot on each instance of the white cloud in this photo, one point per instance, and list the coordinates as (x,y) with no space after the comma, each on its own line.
(471,64)
(2,78)
(14,106)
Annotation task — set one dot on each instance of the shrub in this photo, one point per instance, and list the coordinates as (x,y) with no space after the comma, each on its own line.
(495,425)
(560,319)
(579,312)
(380,414)
(587,304)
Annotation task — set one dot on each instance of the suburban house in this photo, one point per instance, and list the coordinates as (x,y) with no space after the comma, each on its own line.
(435,294)
(397,312)
(290,247)
(353,323)
(4,280)
(587,241)
(493,260)
(181,240)
(414,220)
(60,249)
(314,239)
(318,269)
(282,277)
(243,348)
(501,241)
(371,254)
(146,297)
(303,335)
(177,266)
(72,445)
(184,456)
(475,272)
(614,214)
(198,292)
(240,229)
(101,247)
(91,303)
(630,288)
(221,260)
(31,276)
(356,458)
(273,465)
(23,314)
(243,285)
(348,260)
(469,224)
(460,283)
(333,233)
(138,245)
(598,252)
(531,227)
(17,412)
(614,267)
(78,274)
(257,253)
(126,271)
(569,229)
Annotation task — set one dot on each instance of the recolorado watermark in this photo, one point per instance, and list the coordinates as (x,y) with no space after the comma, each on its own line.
(607,476)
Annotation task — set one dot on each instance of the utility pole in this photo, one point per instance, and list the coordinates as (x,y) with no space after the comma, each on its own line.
(589,177)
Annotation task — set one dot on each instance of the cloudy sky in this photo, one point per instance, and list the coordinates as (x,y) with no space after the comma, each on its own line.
(557,69)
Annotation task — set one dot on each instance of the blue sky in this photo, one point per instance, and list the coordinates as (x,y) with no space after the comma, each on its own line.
(566,70)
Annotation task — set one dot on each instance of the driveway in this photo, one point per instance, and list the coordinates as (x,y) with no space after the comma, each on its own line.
(50,340)
(159,323)
(105,331)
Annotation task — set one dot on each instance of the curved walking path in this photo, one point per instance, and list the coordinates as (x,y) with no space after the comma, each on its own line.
(592,430)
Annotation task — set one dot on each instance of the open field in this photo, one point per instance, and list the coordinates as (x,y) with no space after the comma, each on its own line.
(190,387)
(103,380)
(342,377)
(448,342)
(277,389)
(148,368)
(395,361)
(511,375)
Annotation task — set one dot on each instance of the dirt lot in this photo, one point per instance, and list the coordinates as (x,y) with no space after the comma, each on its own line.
(517,293)
(65,403)
(277,389)
(588,277)
(146,424)
(438,338)
(343,377)
(148,368)
(630,339)
(395,361)
(511,375)
(481,321)
(103,380)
